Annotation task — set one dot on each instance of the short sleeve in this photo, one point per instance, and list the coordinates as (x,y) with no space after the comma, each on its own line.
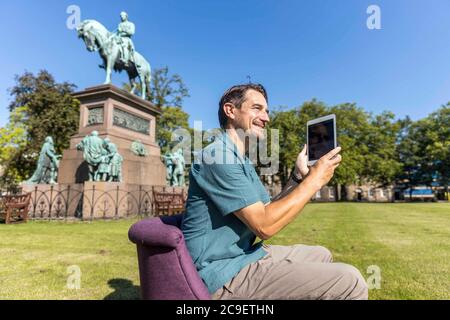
(227,186)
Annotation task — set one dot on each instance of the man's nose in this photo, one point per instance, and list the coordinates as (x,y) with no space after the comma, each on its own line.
(265,117)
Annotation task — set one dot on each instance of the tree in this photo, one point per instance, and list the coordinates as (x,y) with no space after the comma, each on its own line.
(408,154)
(438,145)
(381,163)
(428,141)
(48,110)
(424,150)
(352,127)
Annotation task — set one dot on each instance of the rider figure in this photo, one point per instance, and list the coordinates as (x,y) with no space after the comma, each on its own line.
(124,33)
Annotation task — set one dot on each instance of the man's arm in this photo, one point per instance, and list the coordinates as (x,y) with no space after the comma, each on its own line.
(300,171)
(266,221)
(290,185)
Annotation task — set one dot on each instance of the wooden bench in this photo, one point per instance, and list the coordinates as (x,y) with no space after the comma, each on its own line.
(168,203)
(15,207)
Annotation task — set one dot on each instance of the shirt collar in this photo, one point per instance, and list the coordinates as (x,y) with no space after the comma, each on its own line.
(231,146)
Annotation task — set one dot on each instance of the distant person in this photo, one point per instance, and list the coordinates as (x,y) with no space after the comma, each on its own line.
(228,207)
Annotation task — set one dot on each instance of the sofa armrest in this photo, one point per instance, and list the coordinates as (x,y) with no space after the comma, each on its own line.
(154,233)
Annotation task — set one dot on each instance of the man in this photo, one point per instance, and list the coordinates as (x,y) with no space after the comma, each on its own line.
(228,207)
(125,31)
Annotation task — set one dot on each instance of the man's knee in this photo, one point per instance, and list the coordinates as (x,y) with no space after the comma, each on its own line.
(353,285)
(323,254)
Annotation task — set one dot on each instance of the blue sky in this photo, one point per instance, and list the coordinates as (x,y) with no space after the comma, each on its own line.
(298,49)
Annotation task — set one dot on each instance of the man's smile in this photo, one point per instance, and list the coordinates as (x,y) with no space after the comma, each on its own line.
(259,124)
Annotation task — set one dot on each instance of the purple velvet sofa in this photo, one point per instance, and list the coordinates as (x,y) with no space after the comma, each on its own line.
(166,269)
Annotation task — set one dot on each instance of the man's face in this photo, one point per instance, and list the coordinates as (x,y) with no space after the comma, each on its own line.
(253,115)
(123,16)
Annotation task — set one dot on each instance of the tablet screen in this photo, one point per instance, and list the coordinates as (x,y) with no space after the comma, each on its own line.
(321,139)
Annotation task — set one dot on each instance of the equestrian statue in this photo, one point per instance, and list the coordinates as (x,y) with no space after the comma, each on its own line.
(117,51)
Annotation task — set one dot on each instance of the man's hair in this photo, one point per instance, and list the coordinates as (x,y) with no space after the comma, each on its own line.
(236,96)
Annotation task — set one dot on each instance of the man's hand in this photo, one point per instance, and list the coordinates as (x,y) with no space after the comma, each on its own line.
(267,220)
(322,172)
(301,164)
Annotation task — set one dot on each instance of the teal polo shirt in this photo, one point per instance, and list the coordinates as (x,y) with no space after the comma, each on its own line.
(221,181)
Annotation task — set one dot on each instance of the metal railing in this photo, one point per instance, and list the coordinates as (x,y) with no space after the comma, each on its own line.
(73,201)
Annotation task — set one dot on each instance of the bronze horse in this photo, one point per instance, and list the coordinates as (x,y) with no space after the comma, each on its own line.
(98,38)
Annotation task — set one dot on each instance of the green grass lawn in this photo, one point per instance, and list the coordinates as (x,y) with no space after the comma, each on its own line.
(410,243)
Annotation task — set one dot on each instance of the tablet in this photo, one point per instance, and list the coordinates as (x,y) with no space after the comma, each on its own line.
(320,137)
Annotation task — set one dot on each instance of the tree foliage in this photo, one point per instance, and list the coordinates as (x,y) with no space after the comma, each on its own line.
(424,150)
(13,138)
(353,124)
(172,118)
(166,89)
(437,136)
(381,164)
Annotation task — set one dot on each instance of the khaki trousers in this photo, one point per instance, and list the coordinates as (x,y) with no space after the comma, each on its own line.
(295,273)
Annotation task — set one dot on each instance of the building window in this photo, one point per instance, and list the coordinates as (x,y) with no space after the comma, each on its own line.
(381,193)
(370,193)
(318,196)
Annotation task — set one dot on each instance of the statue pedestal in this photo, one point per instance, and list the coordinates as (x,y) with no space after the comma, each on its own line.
(123,118)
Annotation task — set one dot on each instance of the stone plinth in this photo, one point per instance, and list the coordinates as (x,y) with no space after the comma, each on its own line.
(123,118)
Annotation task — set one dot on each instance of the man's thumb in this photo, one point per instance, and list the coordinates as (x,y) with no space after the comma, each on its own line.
(304,149)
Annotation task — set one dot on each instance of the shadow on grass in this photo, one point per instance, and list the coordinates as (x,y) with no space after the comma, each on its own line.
(123,290)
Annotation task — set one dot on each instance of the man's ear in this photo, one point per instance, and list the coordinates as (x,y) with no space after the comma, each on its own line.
(228,109)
